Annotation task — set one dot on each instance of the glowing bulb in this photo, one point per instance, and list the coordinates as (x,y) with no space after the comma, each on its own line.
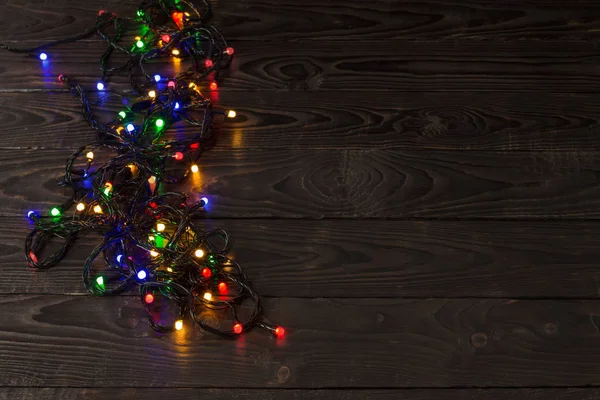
(175,52)
(206,272)
(169,269)
(229,51)
(166,38)
(192,85)
(199,253)
(90,155)
(43,56)
(55,212)
(157,78)
(207,296)
(171,84)
(122,114)
(119,257)
(178,156)
(205,200)
(222,287)
(195,168)
(194,146)
(30,214)
(139,44)
(100,281)
(130,128)
(149,298)
(152,180)
(160,227)
(154,253)
(208,63)
(151,238)
(231,114)
(80,206)
(279,331)
(152,93)
(213,86)
(160,123)
(100,86)
(179,325)
(142,274)
(237,328)
(177,105)
(97,209)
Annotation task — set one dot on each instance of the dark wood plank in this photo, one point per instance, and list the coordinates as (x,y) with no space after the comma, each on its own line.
(457,66)
(431,120)
(352,183)
(81,340)
(296,394)
(363,258)
(334,19)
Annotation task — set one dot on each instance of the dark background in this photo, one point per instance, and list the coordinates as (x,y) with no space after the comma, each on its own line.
(412,186)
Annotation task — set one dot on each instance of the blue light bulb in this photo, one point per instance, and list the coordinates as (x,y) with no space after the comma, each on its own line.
(177,105)
(205,200)
(43,56)
(157,78)
(142,274)
(130,127)
(30,214)
(119,258)
(100,86)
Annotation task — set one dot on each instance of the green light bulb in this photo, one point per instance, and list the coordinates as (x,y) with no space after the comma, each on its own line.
(140,44)
(140,13)
(160,123)
(100,281)
(122,114)
(55,212)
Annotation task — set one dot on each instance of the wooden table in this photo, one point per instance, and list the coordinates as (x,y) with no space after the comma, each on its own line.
(413,188)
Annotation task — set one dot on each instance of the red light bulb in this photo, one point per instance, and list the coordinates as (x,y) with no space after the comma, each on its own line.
(206,273)
(149,298)
(179,156)
(237,328)
(279,331)
(171,84)
(208,63)
(222,287)
(194,146)
(229,51)
(178,19)
(166,38)
(153,205)
(33,257)
(213,86)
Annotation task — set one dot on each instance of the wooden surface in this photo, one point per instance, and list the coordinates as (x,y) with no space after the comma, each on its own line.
(412,187)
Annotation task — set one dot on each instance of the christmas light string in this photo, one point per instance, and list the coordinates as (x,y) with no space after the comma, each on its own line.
(153,239)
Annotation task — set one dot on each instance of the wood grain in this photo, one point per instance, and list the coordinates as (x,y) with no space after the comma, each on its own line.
(300,120)
(296,394)
(304,65)
(352,183)
(364,258)
(332,20)
(84,341)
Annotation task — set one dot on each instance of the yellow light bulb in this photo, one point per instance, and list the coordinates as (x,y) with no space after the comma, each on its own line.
(152,93)
(192,85)
(137,38)
(90,155)
(175,52)
(207,296)
(231,114)
(80,207)
(169,269)
(154,253)
(199,253)
(151,238)
(195,168)
(179,325)
(98,209)
(160,227)
(152,180)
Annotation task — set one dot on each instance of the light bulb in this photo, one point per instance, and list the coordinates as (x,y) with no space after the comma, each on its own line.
(160,227)
(166,38)
(139,44)
(177,105)
(195,168)
(213,86)
(97,209)
(152,93)
(80,206)
(237,328)
(205,200)
(119,257)
(208,63)
(222,287)
(229,51)
(142,274)
(178,156)
(152,180)
(30,214)
(122,114)
(90,155)
(160,123)
(175,52)
(100,86)
(231,114)
(199,253)
(43,56)
(179,325)
(207,296)
(154,253)
(100,281)
(171,84)
(206,272)
(157,78)
(149,298)
(279,331)
(130,128)
(55,212)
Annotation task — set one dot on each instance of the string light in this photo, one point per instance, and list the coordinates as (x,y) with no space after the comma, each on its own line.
(43,56)
(129,213)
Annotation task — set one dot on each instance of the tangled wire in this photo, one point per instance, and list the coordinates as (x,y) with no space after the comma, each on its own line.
(151,238)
